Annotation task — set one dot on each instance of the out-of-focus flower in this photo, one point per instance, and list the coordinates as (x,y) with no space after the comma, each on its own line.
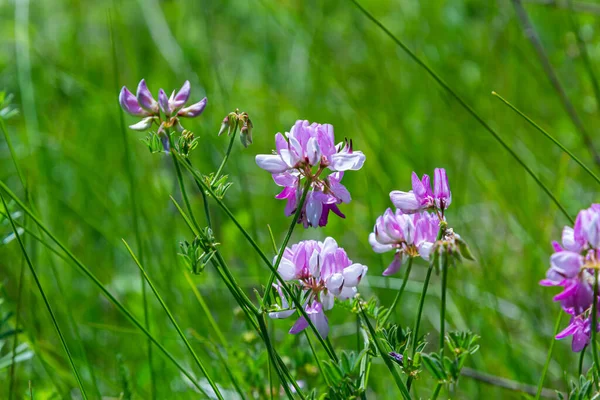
(421,197)
(409,235)
(304,154)
(572,267)
(322,271)
(165,113)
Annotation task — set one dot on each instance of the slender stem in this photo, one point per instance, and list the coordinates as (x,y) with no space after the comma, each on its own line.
(506,384)
(399,294)
(286,240)
(443,305)
(581,357)
(46,302)
(436,392)
(12,152)
(13,365)
(199,363)
(314,352)
(204,199)
(186,200)
(216,176)
(284,285)
(85,270)
(463,104)
(415,333)
(556,142)
(548,356)
(595,325)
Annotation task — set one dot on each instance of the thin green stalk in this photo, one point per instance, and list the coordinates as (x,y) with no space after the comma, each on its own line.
(595,325)
(556,142)
(13,365)
(46,302)
(549,356)
(581,357)
(204,200)
(186,200)
(174,322)
(443,305)
(314,352)
(286,240)
(134,208)
(436,392)
(204,306)
(216,176)
(12,152)
(386,359)
(468,108)
(98,284)
(415,333)
(399,294)
(262,255)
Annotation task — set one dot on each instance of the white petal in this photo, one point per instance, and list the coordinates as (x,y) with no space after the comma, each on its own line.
(286,269)
(353,274)
(335,283)
(347,161)
(271,162)
(405,201)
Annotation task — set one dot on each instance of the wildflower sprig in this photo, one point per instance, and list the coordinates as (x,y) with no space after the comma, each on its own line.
(200,252)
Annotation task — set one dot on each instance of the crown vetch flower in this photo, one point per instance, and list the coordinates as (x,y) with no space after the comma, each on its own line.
(305,153)
(421,197)
(322,271)
(409,235)
(165,113)
(572,267)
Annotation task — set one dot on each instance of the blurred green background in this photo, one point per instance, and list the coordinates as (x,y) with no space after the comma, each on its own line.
(282,60)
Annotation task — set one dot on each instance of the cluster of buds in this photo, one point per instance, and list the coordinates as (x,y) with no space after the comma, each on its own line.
(165,113)
(198,254)
(572,266)
(304,154)
(321,271)
(235,120)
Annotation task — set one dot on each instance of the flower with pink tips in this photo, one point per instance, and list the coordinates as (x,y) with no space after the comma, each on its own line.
(421,197)
(322,271)
(305,154)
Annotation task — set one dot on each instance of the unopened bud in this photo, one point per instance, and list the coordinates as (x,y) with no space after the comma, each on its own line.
(246,133)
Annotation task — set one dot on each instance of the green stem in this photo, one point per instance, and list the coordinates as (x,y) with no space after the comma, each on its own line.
(98,284)
(13,365)
(595,325)
(436,392)
(45,299)
(581,357)
(286,240)
(443,305)
(463,104)
(556,142)
(549,356)
(174,322)
(216,176)
(415,333)
(204,200)
(186,200)
(399,294)
(263,256)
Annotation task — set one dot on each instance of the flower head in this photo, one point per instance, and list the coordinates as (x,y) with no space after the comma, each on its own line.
(166,112)
(304,154)
(409,235)
(421,197)
(572,267)
(322,271)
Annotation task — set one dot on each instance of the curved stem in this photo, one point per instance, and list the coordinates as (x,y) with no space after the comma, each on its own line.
(204,200)
(415,333)
(581,357)
(286,240)
(443,307)
(399,294)
(214,179)
(436,392)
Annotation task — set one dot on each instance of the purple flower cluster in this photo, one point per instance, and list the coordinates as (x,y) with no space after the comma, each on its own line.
(411,230)
(323,271)
(144,105)
(572,267)
(304,154)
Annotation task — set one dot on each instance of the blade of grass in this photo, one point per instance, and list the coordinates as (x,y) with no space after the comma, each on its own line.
(85,270)
(531,34)
(174,322)
(468,108)
(556,142)
(134,204)
(46,302)
(540,387)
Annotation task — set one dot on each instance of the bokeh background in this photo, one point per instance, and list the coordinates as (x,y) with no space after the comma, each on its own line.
(282,60)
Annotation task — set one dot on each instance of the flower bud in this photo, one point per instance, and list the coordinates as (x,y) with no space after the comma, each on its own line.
(224,125)
(246,133)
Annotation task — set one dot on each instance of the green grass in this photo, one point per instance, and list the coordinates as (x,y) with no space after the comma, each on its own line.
(281,61)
